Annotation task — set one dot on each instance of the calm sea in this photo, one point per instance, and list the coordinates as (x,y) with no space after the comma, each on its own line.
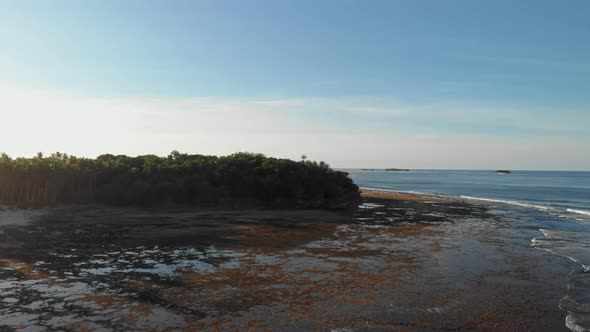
(554,205)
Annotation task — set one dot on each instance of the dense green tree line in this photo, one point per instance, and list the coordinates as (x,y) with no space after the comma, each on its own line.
(240,180)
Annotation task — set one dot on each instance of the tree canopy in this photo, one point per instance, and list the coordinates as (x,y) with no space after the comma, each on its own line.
(238,180)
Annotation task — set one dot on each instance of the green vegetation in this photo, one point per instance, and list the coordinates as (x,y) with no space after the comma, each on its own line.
(238,180)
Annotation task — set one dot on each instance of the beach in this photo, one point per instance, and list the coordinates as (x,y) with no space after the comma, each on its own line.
(399,262)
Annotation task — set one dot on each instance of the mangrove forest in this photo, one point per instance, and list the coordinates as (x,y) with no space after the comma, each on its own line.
(237,180)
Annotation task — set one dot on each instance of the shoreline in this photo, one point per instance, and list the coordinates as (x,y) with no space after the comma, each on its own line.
(404,195)
(575,277)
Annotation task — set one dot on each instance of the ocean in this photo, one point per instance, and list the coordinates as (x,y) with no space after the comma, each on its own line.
(552,206)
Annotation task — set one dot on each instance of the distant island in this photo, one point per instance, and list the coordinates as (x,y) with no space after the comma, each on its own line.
(238,180)
(503,171)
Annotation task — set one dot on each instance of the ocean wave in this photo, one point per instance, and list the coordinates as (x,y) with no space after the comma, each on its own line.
(537,243)
(585,267)
(579,211)
(517,203)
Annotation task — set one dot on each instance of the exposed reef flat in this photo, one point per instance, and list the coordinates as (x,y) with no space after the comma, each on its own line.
(401,262)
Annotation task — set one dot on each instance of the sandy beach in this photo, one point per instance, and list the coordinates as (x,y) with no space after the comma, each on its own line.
(400,262)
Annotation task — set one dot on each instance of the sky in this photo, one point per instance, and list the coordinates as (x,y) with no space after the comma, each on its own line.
(411,84)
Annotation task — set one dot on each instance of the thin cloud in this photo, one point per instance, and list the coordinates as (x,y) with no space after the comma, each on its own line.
(350,132)
(537,62)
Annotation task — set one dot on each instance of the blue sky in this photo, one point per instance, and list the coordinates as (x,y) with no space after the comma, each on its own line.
(421,84)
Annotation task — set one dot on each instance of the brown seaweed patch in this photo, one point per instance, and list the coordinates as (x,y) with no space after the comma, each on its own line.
(346,253)
(141,286)
(25,269)
(127,311)
(292,295)
(79,326)
(435,246)
(113,301)
(406,230)
(228,290)
(273,236)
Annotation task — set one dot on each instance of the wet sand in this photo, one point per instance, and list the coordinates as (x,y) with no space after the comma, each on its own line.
(397,263)
(402,196)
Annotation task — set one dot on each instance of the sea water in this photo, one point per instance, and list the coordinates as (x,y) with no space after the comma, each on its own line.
(556,203)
